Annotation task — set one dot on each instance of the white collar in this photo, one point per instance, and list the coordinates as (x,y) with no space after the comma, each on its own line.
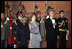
(47,17)
(24,24)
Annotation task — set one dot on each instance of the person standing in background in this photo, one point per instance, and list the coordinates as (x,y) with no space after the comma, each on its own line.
(63,27)
(3,31)
(42,30)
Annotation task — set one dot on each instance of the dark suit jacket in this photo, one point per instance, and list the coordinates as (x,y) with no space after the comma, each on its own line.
(22,33)
(50,31)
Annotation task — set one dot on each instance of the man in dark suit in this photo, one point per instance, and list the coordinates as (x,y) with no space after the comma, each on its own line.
(22,33)
(4,34)
(51,30)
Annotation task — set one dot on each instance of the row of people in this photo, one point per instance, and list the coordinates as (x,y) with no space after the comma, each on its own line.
(32,33)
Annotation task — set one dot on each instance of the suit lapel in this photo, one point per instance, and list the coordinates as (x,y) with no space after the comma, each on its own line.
(50,22)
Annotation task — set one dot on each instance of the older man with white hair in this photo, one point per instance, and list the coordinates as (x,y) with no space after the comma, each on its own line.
(22,33)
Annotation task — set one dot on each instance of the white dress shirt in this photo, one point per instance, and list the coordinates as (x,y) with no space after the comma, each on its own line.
(53,21)
(47,17)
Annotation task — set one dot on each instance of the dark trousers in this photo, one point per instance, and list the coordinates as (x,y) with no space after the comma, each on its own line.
(62,36)
(3,44)
(10,46)
(52,42)
(41,43)
(23,46)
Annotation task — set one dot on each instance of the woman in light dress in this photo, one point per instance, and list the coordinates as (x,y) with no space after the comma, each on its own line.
(35,36)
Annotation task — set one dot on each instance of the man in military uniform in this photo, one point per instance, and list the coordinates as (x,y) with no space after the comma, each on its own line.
(63,26)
